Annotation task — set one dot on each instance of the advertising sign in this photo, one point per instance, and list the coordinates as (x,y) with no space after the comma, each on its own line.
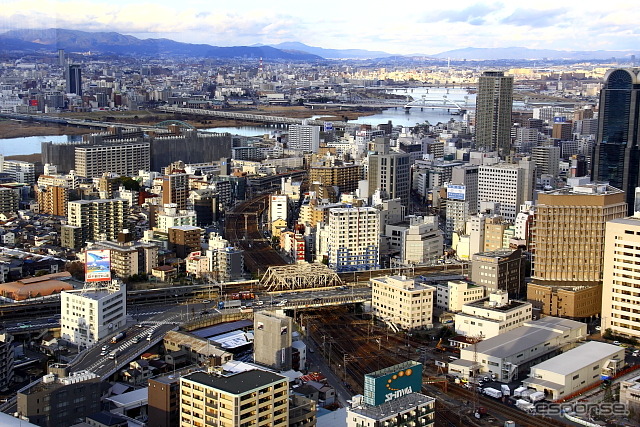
(559,119)
(456,192)
(97,266)
(328,126)
(391,383)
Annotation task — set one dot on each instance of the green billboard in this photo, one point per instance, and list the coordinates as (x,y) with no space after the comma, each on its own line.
(392,382)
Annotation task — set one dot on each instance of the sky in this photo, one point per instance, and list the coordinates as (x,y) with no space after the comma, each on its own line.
(415,27)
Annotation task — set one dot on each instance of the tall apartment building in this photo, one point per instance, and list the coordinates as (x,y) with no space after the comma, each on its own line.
(278,211)
(89,316)
(97,220)
(547,160)
(52,200)
(403,302)
(128,158)
(503,269)
(569,237)
(616,156)
(184,239)
(19,170)
(621,278)
(272,340)
(6,360)
(508,184)
(175,190)
(389,172)
(493,112)
(304,137)
(247,398)
(354,239)
(344,177)
(9,200)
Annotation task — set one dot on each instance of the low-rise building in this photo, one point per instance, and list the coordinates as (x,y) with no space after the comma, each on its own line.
(129,257)
(493,316)
(576,369)
(630,393)
(413,409)
(402,302)
(455,293)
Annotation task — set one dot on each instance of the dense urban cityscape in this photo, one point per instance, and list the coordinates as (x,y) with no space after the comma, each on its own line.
(268,237)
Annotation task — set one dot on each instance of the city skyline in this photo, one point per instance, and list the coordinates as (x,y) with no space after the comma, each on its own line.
(337,25)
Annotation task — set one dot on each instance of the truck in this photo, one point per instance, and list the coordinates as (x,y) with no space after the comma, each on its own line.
(524,405)
(492,392)
(536,397)
(118,337)
(229,304)
(518,391)
(526,393)
(506,391)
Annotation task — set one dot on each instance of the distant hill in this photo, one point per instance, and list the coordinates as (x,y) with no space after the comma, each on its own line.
(332,53)
(116,43)
(475,53)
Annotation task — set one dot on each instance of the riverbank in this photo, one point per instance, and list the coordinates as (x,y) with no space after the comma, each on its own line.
(20,129)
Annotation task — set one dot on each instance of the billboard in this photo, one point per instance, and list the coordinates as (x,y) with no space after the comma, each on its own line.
(393,382)
(97,266)
(456,192)
(328,126)
(560,119)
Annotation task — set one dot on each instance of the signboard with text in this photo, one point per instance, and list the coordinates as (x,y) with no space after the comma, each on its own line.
(393,382)
(97,266)
(456,192)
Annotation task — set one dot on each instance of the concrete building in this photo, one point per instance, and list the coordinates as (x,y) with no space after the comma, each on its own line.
(63,400)
(547,160)
(250,397)
(389,172)
(304,138)
(345,177)
(175,190)
(89,316)
(184,239)
(126,159)
(508,184)
(9,200)
(493,112)
(354,239)
(416,240)
(408,410)
(630,393)
(620,299)
(272,340)
(581,367)
(568,234)
(467,175)
(52,200)
(6,360)
(455,293)
(164,401)
(402,302)
(511,354)
(171,216)
(278,211)
(491,317)
(20,171)
(101,219)
(503,269)
(129,257)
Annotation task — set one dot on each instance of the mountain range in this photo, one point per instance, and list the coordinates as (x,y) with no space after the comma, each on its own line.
(29,40)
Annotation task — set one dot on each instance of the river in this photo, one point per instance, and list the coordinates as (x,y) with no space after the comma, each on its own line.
(399,117)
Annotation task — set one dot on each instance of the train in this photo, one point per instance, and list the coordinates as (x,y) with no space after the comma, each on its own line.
(243,295)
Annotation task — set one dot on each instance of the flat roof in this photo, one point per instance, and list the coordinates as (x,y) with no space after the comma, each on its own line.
(579,357)
(240,383)
(511,305)
(136,396)
(531,333)
(393,407)
(222,328)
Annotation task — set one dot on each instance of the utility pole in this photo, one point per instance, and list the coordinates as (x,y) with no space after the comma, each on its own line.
(475,340)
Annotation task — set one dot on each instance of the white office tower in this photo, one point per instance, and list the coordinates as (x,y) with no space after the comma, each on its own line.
(304,137)
(89,315)
(422,240)
(507,184)
(354,239)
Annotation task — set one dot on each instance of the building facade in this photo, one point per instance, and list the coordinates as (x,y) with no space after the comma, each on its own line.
(272,340)
(503,269)
(123,159)
(493,112)
(507,184)
(354,239)
(101,219)
(403,302)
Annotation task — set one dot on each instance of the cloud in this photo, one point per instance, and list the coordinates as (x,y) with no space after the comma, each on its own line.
(535,18)
(475,14)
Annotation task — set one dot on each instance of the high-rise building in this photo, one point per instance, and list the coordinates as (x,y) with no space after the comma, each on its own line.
(344,177)
(620,299)
(89,316)
(616,157)
(493,112)
(508,184)
(52,199)
(184,239)
(9,200)
(354,239)
(74,79)
(121,159)
(272,340)
(175,189)
(97,220)
(19,170)
(304,137)
(247,398)
(547,160)
(568,237)
(389,172)
(6,359)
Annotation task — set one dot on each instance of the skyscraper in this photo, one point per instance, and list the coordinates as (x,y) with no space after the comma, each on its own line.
(74,79)
(616,157)
(304,137)
(389,172)
(493,112)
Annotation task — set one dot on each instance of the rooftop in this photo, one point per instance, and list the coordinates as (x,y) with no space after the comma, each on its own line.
(240,383)
(511,305)
(580,357)
(394,407)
